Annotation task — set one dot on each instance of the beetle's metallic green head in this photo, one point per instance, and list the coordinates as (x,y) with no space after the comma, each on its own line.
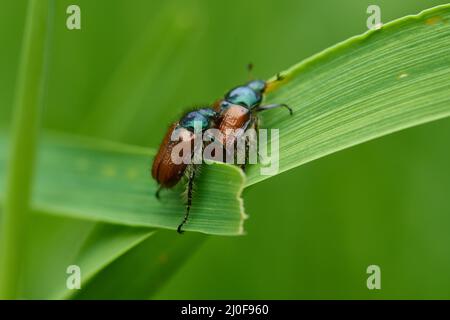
(202,117)
(247,96)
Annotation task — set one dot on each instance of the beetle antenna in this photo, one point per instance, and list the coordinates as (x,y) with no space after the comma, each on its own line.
(250,69)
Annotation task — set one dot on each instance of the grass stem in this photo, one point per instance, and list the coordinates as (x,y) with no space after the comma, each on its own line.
(21,156)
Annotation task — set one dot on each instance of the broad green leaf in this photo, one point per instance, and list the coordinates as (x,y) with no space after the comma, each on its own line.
(368,86)
(109,182)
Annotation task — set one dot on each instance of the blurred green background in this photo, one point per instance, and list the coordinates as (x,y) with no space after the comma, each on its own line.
(312,231)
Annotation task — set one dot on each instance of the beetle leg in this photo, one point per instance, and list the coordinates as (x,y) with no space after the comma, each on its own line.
(260,158)
(273,106)
(157,192)
(250,69)
(252,123)
(189,199)
(243,166)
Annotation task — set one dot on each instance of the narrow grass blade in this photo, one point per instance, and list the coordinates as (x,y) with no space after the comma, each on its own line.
(109,182)
(105,244)
(363,88)
(52,246)
(163,253)
(28,100)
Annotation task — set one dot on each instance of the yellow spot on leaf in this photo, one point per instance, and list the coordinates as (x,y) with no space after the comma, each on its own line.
(132,173)
(433,20)
(109,171)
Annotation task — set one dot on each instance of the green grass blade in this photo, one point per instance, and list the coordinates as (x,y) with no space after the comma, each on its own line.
(29,94)
(105,244)
(366,87)
(53,245)
(89,245)
(109,182)
(163,252)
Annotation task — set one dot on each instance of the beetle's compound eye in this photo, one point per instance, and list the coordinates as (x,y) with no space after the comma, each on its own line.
(244,96)
(224,105)
(257,85)
(196,118)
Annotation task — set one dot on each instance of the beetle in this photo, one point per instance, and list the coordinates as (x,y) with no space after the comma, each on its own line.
(167,173)
(239,108)
(236,110)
